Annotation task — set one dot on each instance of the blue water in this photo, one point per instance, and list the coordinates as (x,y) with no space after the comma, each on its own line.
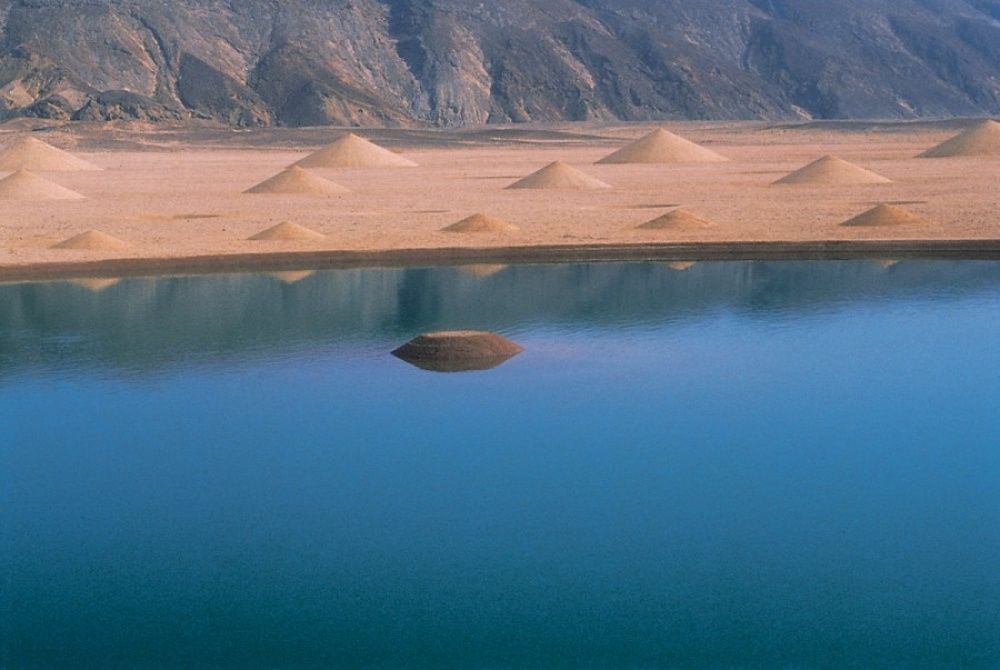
(739,465)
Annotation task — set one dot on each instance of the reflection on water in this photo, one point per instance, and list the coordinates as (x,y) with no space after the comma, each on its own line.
(709,465)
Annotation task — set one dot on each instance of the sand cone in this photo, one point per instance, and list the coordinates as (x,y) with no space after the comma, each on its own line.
(96,285)
(93,240)
(559,175)
(885,215)
(30,153)
(291,276)
(983,139)
(297,181)
(480,223)
(832,171)
(678,219)
(886,263)
(483,270)
(353,151)
(681,266)
(288,232)
(660,147)
(457,351)
(28,186)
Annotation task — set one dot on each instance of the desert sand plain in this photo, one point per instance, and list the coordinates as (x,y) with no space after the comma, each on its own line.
(176,197)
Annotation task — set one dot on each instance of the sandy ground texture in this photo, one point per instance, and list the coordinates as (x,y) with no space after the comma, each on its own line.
(178,193)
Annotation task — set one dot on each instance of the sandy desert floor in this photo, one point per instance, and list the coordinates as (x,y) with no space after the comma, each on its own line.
(176,194)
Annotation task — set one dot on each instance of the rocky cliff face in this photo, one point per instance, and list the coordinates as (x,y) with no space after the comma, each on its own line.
(455,62)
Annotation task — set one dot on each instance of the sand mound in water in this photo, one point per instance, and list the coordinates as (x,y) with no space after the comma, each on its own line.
(559,175)
(457,351)
(353,151)
(833,171)
(886,263)
(297,181)
(291,276)
(884,215)
(983,139)
(96,284)
(480,223)
(681,266)
(483,270)
(661,146)
(24,185)
(288,232)
(30,153)
(93,240)
(678,219)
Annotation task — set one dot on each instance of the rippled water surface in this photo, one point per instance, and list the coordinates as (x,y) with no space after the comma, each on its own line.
(774,465)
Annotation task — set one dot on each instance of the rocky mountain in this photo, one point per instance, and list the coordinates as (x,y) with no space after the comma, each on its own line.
(460,62)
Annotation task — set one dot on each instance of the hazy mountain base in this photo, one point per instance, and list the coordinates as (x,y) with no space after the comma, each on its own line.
(450,62)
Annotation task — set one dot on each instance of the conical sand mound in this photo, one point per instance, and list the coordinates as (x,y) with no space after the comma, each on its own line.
(24,185)
(886,263)
(32,154)
(457,351)
(96,285)
(661,146)
(288,232)
(483,270)
(297,181)
(678,219)
(353,151)
(832,171)
(983,139)
(559,175)
(681,266)
(93,240)
(885,215)
(480,223)
(291,276)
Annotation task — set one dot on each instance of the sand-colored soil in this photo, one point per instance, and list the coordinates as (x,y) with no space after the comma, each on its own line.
(178,194)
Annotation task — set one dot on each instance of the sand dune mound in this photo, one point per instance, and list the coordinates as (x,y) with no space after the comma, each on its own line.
(24,185)
(483,270)
(681,266)
(95,284)
(983,139)
(291,276)
(30,153)
(481,223)
(887,263)
(353,151)
(288,232)
(297,181)
(833,171)
(93,240)
(678,219)
(661,146)
(559,175)
(885,215)
(457,351)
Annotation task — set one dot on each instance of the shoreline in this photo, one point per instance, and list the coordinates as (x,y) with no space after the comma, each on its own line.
(942,249)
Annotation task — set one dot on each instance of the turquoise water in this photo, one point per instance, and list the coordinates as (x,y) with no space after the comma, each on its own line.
(753,465)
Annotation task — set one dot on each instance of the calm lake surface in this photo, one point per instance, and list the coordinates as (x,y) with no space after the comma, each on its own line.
(753,465)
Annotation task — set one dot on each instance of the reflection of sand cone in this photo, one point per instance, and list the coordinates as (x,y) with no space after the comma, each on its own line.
(93,240)
(95,284)
(681,266)
(30,153)
(661,146)
(483,270)
(288,232)
(884,215)
(832,171)
(457,351)
(480,223)
(678,219)
(28,186)
(983,139)
(291,276)
(297,181)
(353,151)
(886,263)
(559,175)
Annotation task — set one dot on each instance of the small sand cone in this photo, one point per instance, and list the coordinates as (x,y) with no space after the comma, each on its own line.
(351,151)
(483,270)
(288,232)
(27,186)
(886,263)
(662,147)
(297,181)
(681,266)
(96,285)
(559,175)
(982,140)
(832,171)
(481,223)
(93,240)
(885,215)
(457,351)
(30,153)
(679,220)
(291,276)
